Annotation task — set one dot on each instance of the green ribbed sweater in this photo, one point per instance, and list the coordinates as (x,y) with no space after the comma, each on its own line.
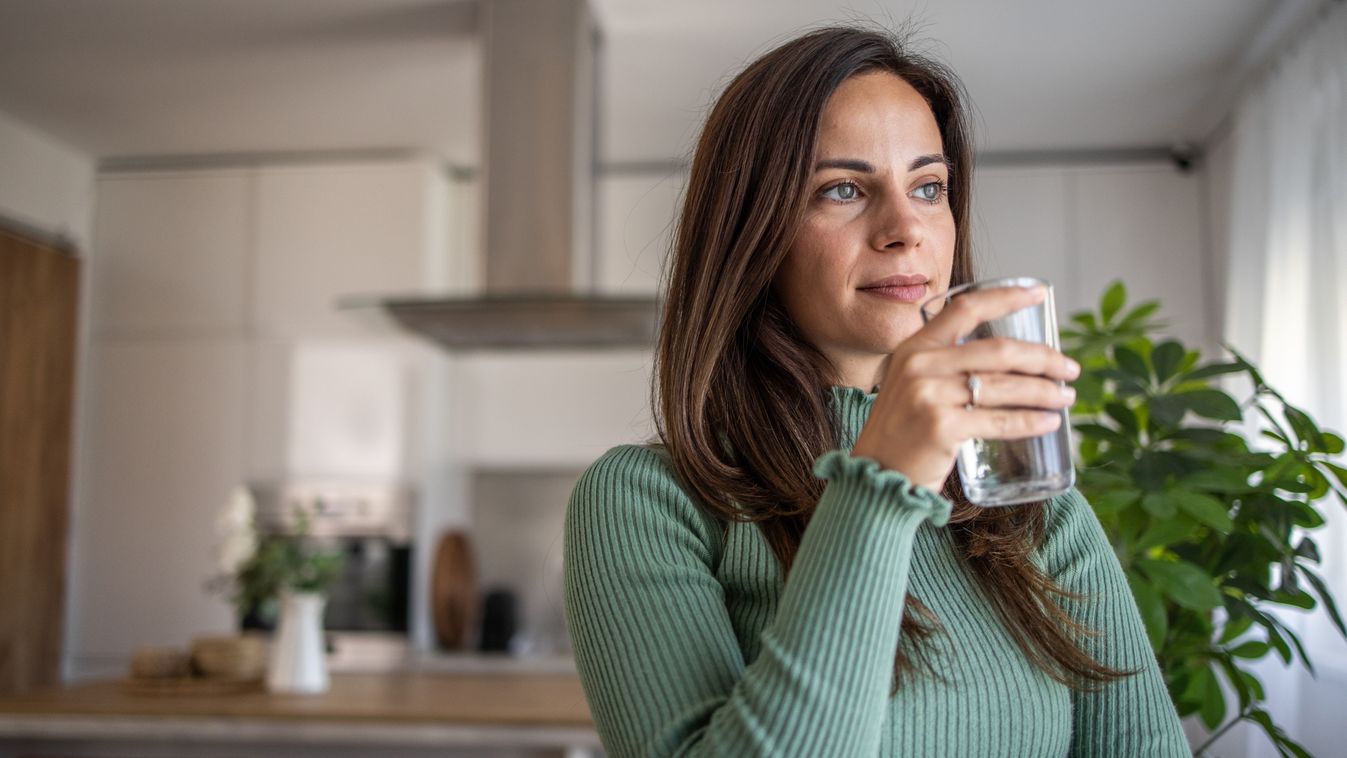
(688,642)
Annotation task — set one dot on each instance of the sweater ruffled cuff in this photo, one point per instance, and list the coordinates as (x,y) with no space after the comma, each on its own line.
(887,483)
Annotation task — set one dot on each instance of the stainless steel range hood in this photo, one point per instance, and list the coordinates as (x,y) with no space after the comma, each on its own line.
(539,132)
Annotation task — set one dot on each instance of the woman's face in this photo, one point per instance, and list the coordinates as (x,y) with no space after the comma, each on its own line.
(878,235)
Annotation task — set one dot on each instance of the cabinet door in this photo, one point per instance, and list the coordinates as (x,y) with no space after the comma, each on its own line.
(173,254)
(548,408)
(324,232)
(163,445)
(37,366)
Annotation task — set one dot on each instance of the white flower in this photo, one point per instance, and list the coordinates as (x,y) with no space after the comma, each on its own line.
(234,527)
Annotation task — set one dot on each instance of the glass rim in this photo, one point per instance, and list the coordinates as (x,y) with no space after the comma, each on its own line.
(980,284)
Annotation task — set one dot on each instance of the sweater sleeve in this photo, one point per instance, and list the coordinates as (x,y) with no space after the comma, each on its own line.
(1134,715)
(654,644)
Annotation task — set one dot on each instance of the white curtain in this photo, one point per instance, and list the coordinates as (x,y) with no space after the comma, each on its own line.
(1286,308)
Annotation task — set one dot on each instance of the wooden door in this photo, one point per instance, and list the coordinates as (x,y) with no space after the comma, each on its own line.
(38,296)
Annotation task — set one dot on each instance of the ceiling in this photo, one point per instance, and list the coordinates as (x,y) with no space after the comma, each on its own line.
(121,78)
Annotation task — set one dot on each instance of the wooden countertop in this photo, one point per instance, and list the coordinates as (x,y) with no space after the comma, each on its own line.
(375,709)
(473,699)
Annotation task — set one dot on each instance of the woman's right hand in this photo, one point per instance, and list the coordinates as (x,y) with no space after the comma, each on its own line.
(919,419)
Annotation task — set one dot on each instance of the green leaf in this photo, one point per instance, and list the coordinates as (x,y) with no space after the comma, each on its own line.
(1089,390)
(1195,688)
(1182,582)
(1150,472)
(1246,366)
(1307,548)
(1211,697)
(1213,369)
(1254,684)
(1279,644)
(1167,410)
(1237,682)
(1159,505)
(1213,404)
(1325,595)
(1285,745)
(1305,428)
(1152,610)
(1253,650)
(1166,357)
(1085,319)
(1274,436)
(1115,500)
(1217,480)
(1105,434)
(1333,444)
(1124,417)
(1133,364)
(1303,515)
(1234,628)
(1200,435)
(1338,471)
(1166,532)
(1297,599)
(1135,316)
(1113,299)
(1205,509)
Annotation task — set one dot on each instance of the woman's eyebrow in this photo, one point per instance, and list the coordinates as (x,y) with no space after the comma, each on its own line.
(850,164)
(855,164)
(926,160)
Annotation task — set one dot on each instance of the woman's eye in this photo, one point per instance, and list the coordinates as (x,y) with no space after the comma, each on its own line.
(843,192)
(930,191)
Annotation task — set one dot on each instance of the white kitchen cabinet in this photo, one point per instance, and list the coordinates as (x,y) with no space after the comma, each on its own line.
(163,444)
(324,232)
(218,357)
(335,408)
(548,408)
(173,254)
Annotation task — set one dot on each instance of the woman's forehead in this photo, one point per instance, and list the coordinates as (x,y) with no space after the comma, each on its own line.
(877,111)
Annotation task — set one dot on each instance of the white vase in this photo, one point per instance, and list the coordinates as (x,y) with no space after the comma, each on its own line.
(298,656)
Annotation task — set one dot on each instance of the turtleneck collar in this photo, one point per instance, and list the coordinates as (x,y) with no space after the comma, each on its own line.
(852,406)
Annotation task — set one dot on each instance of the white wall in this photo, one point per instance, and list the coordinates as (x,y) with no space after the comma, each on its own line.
(45,184)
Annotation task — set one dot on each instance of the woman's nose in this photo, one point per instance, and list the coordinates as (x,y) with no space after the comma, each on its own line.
(897,224)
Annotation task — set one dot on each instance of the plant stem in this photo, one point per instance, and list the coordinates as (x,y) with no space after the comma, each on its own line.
(1217,735)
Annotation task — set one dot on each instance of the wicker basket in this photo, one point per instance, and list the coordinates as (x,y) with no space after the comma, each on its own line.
(237,658)
(160,663)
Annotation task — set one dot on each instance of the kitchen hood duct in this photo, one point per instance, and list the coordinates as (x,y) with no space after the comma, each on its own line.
(539,134)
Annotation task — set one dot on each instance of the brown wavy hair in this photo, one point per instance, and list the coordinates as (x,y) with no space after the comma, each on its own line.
(742,400)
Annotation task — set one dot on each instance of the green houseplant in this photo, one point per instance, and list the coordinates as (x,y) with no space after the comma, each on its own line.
(1212,532)
(256,566)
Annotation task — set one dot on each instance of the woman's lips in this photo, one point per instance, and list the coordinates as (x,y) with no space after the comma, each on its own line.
(910,293)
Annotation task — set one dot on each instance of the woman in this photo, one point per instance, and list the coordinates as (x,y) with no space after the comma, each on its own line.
(794,570)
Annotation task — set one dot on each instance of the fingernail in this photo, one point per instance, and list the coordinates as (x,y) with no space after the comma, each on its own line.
(1068,392)
(1072,368)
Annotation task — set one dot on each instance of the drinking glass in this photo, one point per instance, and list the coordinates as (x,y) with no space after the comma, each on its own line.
(1008,472)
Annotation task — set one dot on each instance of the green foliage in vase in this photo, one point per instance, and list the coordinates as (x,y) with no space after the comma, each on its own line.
(281,561)
(1212,531)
